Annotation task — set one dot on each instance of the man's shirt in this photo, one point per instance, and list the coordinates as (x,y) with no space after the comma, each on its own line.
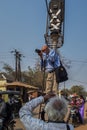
(50,61)
(31,123)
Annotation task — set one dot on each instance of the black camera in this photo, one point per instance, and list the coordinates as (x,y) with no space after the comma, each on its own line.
(37,51)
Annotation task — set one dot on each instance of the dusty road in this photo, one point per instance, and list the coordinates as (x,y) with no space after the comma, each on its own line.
(19,125)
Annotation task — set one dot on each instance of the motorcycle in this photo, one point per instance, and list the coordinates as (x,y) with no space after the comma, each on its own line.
(74,116)
(7,125)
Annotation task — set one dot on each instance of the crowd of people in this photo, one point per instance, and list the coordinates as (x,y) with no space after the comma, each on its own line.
(56,106)
(78,102)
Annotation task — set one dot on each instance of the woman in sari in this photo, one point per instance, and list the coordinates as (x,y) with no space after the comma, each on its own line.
(81,110)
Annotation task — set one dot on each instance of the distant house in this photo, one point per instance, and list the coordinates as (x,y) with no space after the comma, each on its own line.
(23,88)
(3,80)
(2,85)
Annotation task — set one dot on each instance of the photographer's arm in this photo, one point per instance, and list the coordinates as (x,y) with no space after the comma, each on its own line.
(40,54)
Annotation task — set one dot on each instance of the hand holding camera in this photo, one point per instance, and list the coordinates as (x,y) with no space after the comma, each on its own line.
(38,51)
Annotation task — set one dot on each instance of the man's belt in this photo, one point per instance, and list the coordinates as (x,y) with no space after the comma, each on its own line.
(53,70)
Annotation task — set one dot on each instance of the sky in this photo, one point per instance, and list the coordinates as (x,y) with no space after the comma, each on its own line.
(23,25)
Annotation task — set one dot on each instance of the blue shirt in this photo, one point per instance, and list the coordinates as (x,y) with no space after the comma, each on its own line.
(32,123)
(50,61)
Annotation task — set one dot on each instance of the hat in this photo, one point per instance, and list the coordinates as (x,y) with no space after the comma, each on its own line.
(74,95)
(44,47)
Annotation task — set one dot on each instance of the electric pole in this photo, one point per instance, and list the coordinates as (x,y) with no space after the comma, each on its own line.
(54,36)
(18,56)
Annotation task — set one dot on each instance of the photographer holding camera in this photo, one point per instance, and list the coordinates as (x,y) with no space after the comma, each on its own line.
(55,109)
(49,62)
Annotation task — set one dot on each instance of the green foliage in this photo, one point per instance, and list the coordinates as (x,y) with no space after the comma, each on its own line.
(35,77)
(8,69)
(79,90)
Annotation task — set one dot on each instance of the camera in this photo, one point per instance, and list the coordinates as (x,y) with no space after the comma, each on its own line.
(37,51)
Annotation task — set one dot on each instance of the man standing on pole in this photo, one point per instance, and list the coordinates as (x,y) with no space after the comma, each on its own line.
(50,62)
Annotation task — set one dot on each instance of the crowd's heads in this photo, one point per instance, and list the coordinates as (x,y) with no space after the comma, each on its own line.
(56,109)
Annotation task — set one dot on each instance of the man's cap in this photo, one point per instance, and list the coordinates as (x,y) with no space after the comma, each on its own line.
(44,47)
(74,95)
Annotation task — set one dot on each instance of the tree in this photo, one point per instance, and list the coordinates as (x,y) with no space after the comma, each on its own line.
(8,68)
(9,71)
(33,77)
(79,90)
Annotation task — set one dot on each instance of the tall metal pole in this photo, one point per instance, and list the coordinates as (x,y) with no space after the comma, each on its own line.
(54,36)
(17,65)
(15,52)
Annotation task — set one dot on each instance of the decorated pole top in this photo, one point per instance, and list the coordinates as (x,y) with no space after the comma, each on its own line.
(54,36)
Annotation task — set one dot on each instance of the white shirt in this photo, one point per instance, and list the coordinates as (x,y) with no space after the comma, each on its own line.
(32,123)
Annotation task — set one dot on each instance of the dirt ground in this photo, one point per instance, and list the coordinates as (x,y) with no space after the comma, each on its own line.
(19,125)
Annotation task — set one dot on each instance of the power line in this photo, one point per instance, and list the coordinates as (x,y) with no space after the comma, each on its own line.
(78,61)
(47,6)
(7,55)
(78,81)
